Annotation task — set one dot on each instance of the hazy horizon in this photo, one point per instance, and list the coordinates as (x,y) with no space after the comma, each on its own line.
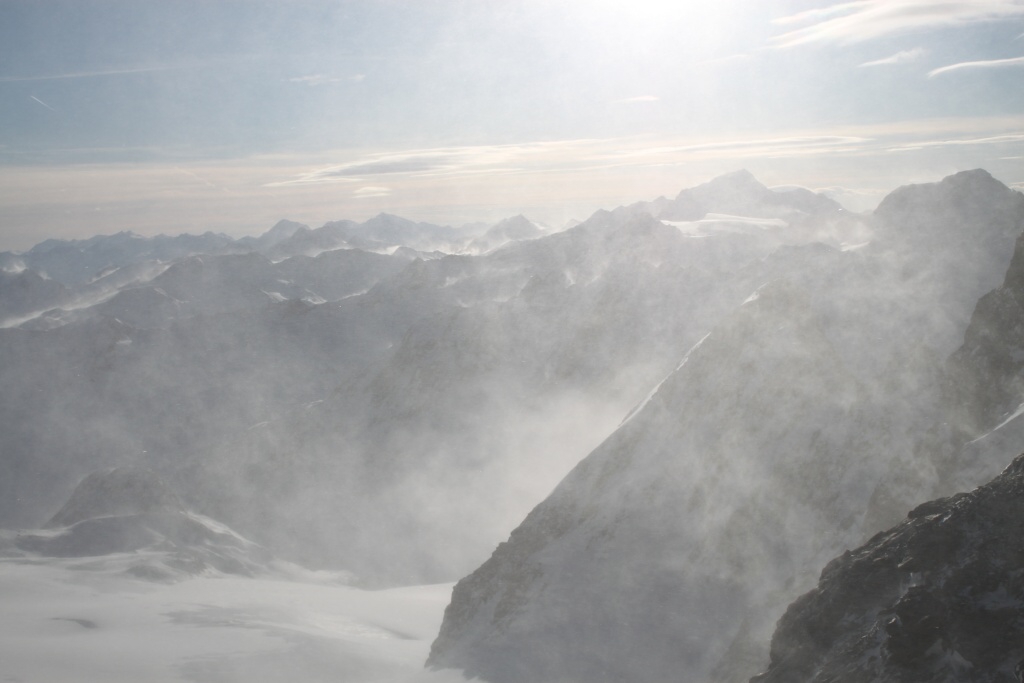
(191,116)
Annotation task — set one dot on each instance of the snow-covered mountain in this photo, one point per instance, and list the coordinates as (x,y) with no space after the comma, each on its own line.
(353,382)
(76,262)
(761,379)
(509,230)
(134,515)
(788,433)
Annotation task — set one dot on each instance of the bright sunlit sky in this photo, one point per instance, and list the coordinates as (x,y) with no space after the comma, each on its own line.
(192,115)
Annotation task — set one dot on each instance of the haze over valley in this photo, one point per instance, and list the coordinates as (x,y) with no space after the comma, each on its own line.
(532,342)
(679,408)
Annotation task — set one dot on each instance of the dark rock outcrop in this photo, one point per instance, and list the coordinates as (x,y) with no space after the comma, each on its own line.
(939,597)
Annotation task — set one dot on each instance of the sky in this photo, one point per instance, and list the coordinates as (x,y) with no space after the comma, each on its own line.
(179,116)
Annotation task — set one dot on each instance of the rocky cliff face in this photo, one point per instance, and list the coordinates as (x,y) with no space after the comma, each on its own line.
(938,597)
(984,389)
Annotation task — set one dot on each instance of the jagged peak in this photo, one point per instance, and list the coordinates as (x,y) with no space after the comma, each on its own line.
(388,217)
(285,226)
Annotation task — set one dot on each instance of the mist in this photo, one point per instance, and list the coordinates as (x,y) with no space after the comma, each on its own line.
(676,412)
(362,341)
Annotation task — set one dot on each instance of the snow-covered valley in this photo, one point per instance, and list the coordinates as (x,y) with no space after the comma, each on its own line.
(85,621)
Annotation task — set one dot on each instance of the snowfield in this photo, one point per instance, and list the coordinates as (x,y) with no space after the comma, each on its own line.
(82,620)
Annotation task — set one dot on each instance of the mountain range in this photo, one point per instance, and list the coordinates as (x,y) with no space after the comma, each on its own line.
(681,409)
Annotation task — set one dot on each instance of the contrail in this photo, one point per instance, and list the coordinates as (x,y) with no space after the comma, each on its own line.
(89,74)
(42,103)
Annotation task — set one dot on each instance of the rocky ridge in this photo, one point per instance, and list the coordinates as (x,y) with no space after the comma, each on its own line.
(938,597)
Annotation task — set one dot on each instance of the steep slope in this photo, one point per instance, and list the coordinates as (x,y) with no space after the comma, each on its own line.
(24,292)
(755,460)
(668,504)
(936,598)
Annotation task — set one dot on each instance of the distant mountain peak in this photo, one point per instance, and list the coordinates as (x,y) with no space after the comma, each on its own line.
(739,176)
(117,491)
(973,204)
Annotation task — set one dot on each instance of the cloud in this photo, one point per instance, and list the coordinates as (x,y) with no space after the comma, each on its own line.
(759,147)
(531,161)
(902,57)
(365,192)
(446,160)
(90,74)
(855,22)
(641,98)
(991,140)
(41,102)
(728,59)
(986,64)
(320,79)
(563,156)
(410,163)
(314,80)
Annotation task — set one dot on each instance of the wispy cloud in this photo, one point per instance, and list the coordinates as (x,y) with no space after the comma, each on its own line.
(89,74)
(41,102)
(855,22)
(641,98)
(450,160)
(985,64)
(760,147)
(902,57)
(366,192)
(314,79)
(321,79)
(563,156)
(409,162)
(728,59)
(991,140)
